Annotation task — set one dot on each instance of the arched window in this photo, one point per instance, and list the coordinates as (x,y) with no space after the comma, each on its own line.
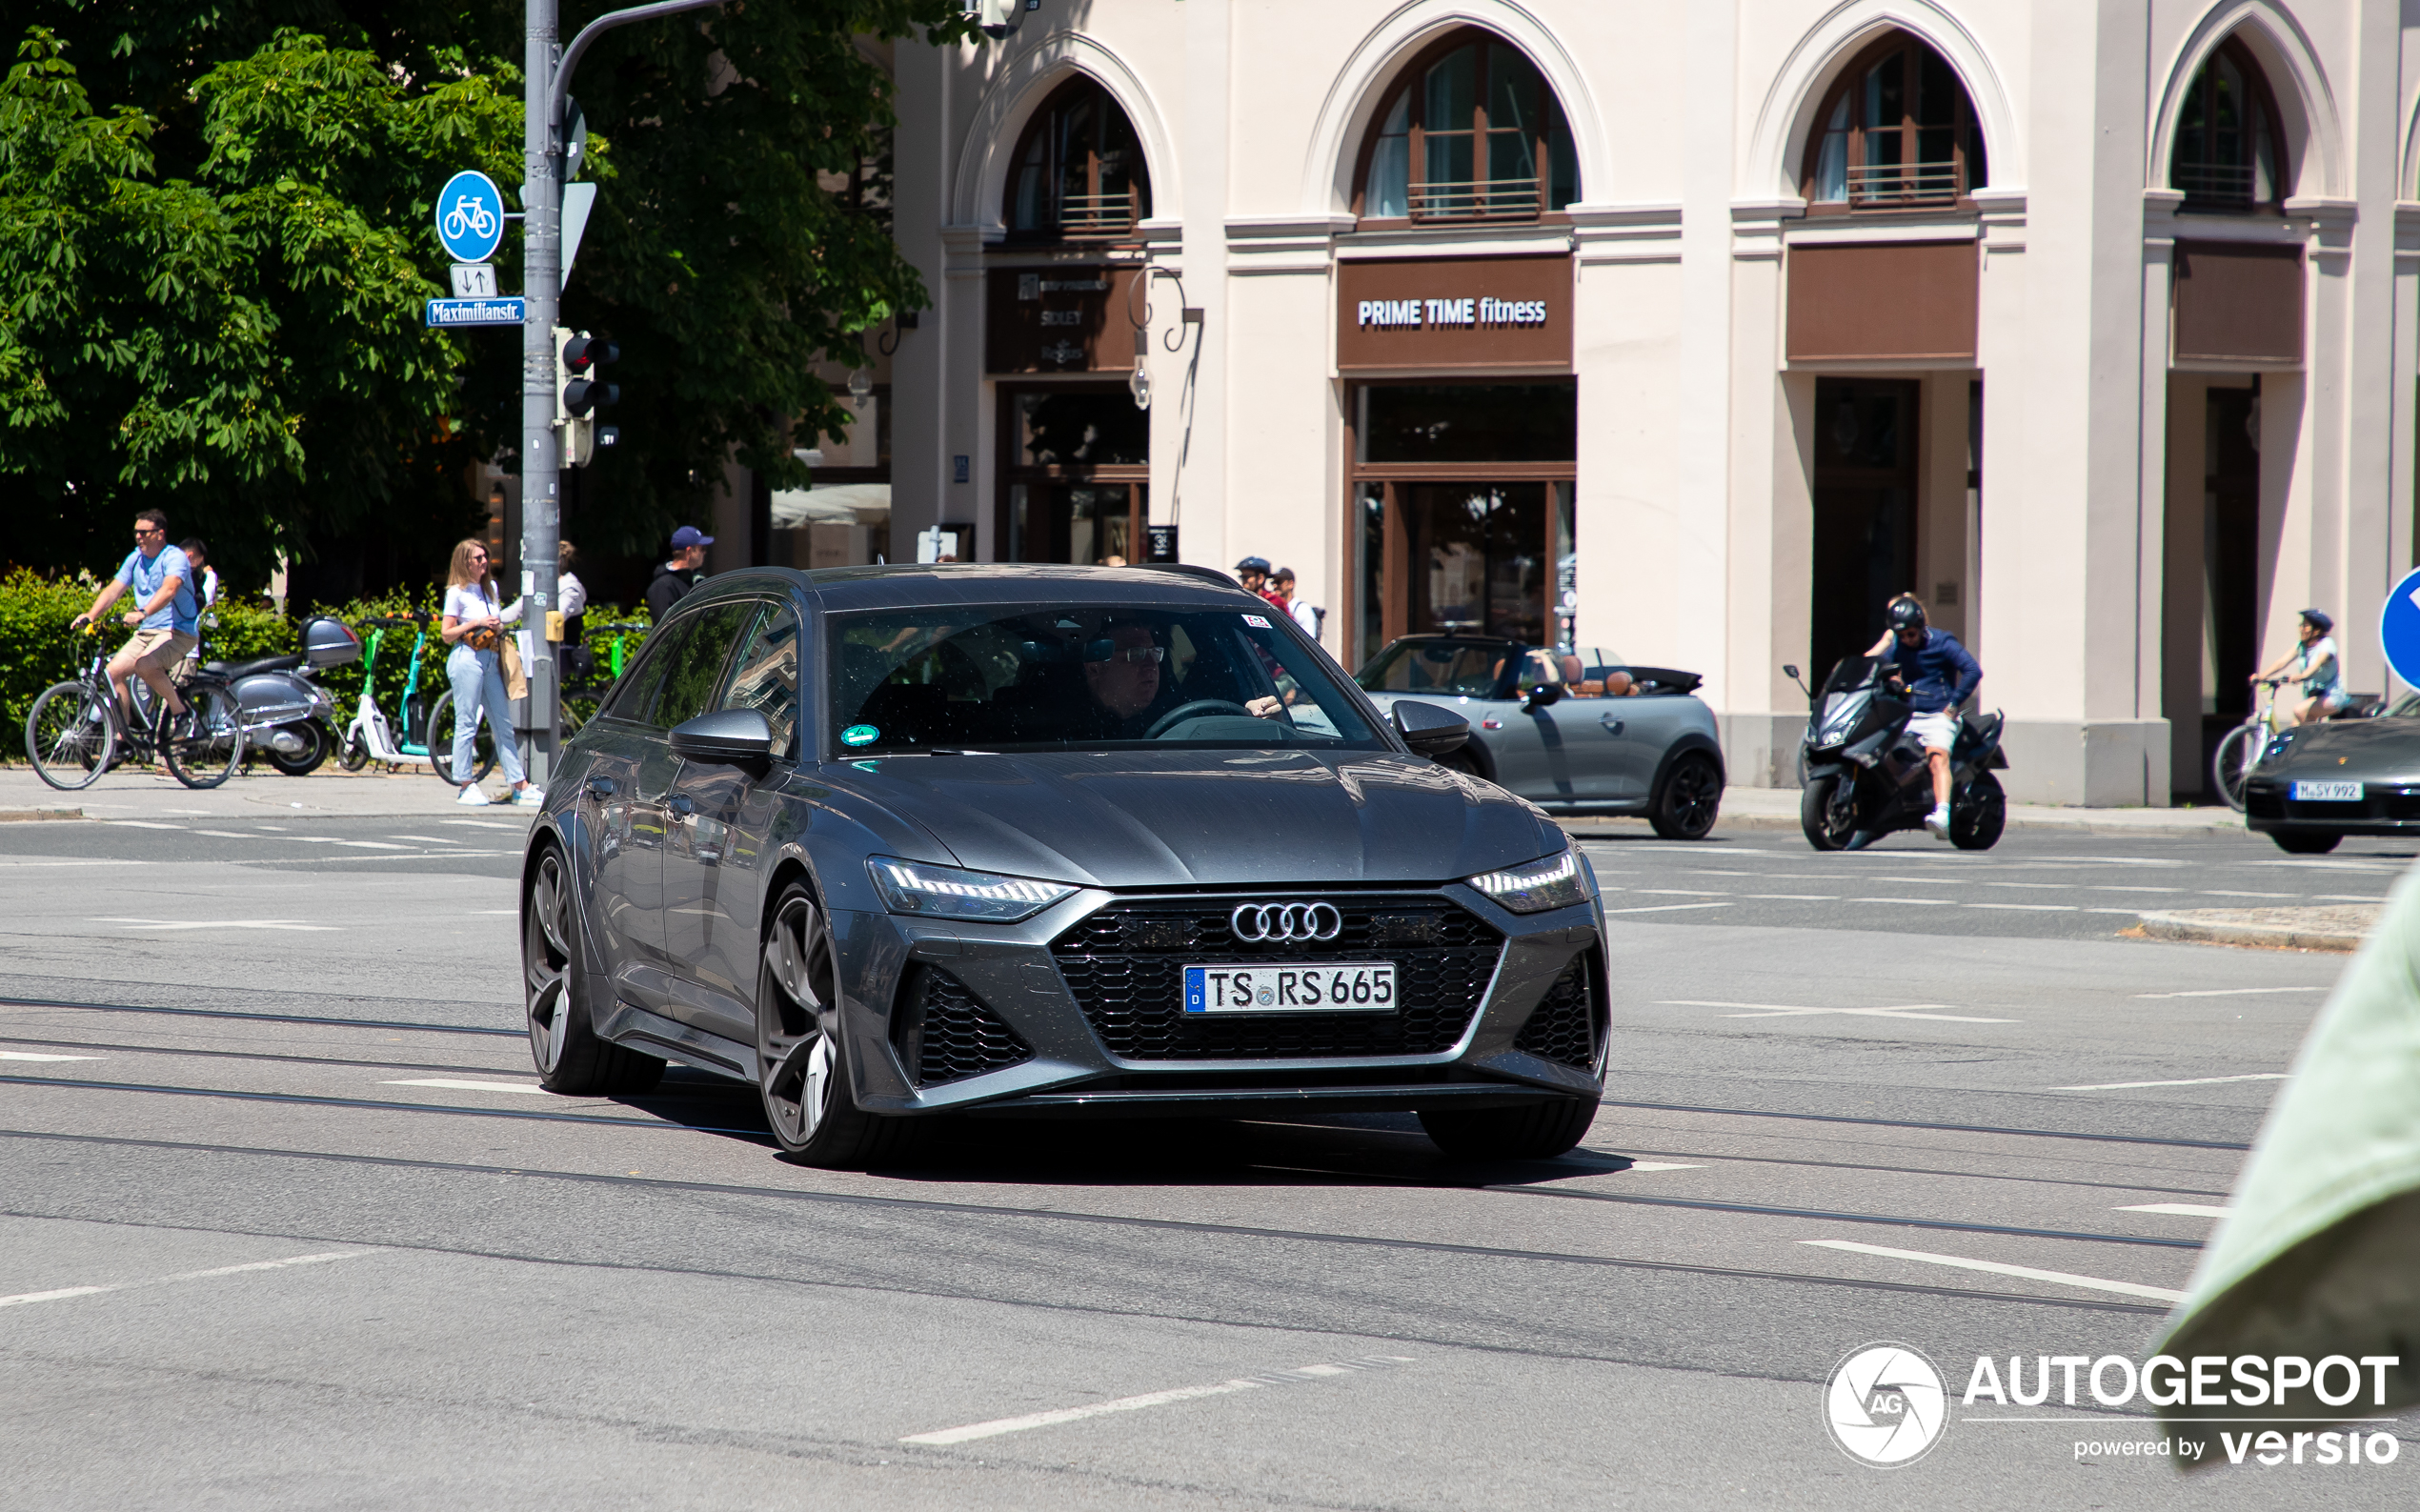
(1897,130)
(1080,173)
(2227,150)
(1470,133)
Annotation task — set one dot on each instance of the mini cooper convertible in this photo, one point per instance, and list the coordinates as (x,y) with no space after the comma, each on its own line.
(1030,842)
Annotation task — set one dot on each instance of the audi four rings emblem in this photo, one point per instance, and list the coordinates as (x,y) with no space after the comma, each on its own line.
(1287,921)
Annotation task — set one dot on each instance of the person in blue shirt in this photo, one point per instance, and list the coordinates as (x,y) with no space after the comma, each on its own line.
(1940,675)
(166,620)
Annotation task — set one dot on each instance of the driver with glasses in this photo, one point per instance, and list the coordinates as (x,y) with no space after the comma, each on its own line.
(1121,672)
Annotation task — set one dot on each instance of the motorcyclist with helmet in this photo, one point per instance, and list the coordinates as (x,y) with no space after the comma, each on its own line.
(1939,675)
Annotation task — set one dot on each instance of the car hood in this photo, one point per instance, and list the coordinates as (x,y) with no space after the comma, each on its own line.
(2371,749)
(1151,818)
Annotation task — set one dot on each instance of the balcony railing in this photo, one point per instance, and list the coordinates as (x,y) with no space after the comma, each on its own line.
(1476,199)
(1096,217)
(2214,184)
(1905,183)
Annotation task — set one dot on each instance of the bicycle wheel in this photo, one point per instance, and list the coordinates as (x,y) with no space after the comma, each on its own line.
(2233,765)
(70,736)
(208,752)
(441,744)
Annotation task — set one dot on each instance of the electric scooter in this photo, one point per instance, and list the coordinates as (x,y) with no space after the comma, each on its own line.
(371,737)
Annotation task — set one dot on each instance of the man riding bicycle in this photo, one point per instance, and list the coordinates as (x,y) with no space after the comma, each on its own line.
(2313,663)
(167,621)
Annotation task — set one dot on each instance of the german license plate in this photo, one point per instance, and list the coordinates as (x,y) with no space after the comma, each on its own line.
(2327,791)
(1326,988)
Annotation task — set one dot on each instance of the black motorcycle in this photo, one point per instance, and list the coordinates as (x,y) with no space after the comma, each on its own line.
(1865,776)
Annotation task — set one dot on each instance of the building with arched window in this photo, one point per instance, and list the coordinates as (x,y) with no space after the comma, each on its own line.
(1695,332)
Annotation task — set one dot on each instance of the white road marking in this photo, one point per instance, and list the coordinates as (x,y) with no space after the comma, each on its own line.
(484,824)
(2180,1209)
(2349,898)
(2033,908)
(371,845)
(24,1297)
(2228,892)
(145,825)
(1665,908)
(480,911)
(1798,898)
(225,835)
(1775,1010)
(427,839)
(1154,1398)
(1925,881)
(1684,892)
(1662,1165)
(2189,1081)
(2053,887)
(2119,887)
(1920,903)
(221,923)
(28,1054)
(273,829)
(457,1084)
(95,863)
(1996,1268)
(2228,992)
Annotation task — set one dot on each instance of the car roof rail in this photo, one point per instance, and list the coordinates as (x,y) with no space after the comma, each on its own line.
(1210,574)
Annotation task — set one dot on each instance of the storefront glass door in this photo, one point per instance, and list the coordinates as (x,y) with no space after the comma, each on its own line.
(1073,484)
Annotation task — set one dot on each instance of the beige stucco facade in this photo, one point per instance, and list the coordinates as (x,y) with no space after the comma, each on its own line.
(2075,552)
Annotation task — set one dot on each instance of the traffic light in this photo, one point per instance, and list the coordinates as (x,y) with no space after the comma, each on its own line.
(578,392)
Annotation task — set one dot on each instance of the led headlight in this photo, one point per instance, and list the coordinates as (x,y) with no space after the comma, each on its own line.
(946,892)
(1557,881)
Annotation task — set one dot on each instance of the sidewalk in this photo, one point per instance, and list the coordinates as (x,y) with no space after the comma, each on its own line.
(145,793)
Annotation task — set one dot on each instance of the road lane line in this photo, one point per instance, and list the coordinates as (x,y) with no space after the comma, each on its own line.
(1685,892)
(28,1054)
(2034,908)
(1920,903)
(22,1298)
(2228,892)
(371,845)
(224,835)
(1775,1010)
(221,923)
(2228,992)
(487,824)
(1797,897)
(1153,1398)
(2180,1209)
(2189,1081)
(145,825)
(2158,1294)
(1665,908)
(454,1084)
(1661,1165)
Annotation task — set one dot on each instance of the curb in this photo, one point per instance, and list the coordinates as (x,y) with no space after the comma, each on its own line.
(30,816)
(2275,937)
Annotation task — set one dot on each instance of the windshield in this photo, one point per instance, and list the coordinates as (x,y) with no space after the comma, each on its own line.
(1851,673)
(1088,679)
(1468,667)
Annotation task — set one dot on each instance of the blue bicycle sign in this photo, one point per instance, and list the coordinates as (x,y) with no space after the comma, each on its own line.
(470,216)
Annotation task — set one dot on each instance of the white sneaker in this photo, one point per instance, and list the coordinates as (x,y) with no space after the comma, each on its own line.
(472,798)
(1938,821)
(529,798)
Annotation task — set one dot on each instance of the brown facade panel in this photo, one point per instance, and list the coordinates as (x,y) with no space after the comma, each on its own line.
(1060,320)
(2238,303)
(1454,314)
(1863,301)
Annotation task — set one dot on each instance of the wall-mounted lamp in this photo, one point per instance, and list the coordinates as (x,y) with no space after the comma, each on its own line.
(861,383)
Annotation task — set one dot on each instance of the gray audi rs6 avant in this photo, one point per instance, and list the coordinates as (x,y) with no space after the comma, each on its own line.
(997,841)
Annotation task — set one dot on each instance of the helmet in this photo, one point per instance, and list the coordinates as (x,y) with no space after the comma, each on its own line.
(1905,614)
(2319,617)
(1253,564)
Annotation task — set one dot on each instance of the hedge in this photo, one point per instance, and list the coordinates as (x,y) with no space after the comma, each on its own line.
(38,646)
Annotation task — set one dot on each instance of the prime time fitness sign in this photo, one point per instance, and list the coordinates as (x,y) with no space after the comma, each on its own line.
(1454,314)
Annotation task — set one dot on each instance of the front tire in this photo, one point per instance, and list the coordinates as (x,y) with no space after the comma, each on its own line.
(314,749)
(2232,766)
(441,743)
(1827,812)
(2305,842)
(571,1058)
(1686,806)
(1541,1130)
(210,753)
(801,1049)
(354,753)
(1980,814)
(70,736)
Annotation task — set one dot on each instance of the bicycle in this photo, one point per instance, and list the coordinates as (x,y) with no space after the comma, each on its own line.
(73,732)
(2241,748)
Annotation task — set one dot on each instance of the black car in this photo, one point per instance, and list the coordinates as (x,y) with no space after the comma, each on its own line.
(2317,783)
(891,842)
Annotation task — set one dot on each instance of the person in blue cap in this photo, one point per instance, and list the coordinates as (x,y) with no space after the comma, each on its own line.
(677,576)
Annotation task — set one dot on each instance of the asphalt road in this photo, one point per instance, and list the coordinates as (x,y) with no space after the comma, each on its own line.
(294,1228)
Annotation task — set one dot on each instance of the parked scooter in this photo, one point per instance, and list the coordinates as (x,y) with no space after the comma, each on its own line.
(1867,777)
(287,716)
(372,737)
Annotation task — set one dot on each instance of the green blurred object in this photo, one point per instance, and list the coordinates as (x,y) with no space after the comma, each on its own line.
(2320,1253)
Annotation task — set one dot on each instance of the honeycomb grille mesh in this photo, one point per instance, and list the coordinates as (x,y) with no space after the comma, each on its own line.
(957,1036)
(1125,966)
(1559,1028)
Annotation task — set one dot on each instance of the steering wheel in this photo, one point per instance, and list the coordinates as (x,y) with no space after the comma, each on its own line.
(1167,721)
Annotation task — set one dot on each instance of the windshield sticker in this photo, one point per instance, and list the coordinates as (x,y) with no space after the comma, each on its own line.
(1256,622)
(860,734)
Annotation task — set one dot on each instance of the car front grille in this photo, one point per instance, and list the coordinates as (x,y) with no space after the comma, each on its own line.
(946,1034)
(1125,966)
(1561,1028)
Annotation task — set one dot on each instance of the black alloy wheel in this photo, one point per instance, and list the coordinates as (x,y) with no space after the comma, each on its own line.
(571,1058)
(1686,806)
(1827,812)
(2305,842)
(1979,813)
(1541,1130)
(801,1049)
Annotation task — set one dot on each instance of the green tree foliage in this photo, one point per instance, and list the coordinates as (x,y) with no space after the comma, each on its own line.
(216,250)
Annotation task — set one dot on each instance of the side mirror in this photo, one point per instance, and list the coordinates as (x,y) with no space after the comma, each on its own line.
(1428,730)
(733,737)
(1543,694)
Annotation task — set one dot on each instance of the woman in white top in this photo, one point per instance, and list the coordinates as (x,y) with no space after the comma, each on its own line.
(2312,663)
(474,629)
